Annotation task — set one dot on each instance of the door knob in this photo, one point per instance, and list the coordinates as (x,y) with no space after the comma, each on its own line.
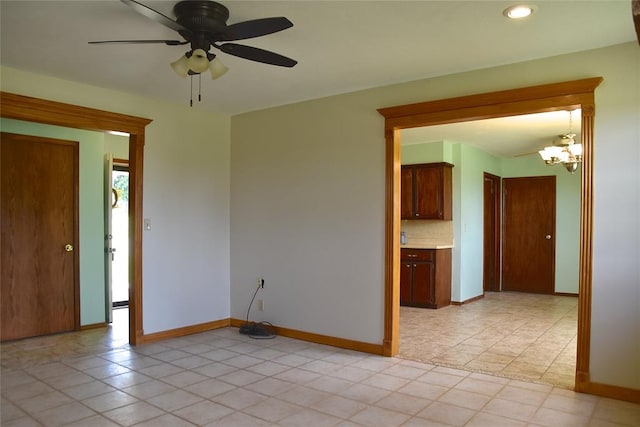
(68,247)
(548,237)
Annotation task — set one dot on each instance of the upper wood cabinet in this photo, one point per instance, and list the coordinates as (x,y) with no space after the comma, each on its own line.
(426,191)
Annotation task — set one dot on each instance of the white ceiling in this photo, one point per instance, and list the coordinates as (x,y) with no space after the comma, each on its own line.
(341,46)
(505,137)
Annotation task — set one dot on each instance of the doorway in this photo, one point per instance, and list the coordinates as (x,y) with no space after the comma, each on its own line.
(116,260)
(117,245)
(491,220)
(550,97)
(120,234)
(37,110)
(40,285)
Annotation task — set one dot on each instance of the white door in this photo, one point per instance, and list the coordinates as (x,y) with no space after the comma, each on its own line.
(116,241)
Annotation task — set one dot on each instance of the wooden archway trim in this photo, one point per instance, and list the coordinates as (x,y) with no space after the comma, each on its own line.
(37,110)
(534,99)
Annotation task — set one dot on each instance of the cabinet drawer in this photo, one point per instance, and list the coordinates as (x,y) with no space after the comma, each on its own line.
(417,254)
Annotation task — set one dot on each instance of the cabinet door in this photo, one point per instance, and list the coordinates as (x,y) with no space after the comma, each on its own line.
(422,283)
(405,283)
(406,193)
(428,191)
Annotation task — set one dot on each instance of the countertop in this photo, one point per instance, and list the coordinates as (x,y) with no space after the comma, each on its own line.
(425,244)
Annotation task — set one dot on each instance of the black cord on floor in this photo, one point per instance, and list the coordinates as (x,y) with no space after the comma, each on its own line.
(258,331)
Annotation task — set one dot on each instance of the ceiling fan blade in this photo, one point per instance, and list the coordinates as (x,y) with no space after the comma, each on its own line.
(167,42)
(155,16)
(255,28)
(256,54)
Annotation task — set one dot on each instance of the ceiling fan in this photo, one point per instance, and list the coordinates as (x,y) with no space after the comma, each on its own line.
(203,24)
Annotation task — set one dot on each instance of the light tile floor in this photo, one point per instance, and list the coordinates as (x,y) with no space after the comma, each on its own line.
(511,334)
(222,378)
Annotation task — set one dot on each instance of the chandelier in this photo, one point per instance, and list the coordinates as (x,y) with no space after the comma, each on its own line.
(565,150)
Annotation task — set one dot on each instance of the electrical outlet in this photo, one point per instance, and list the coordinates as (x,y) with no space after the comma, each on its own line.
(260,305)
(260,282)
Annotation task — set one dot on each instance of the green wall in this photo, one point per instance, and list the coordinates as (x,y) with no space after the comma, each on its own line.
(470,164)
(468,226)
(117,145)
(440,151)
(92,298)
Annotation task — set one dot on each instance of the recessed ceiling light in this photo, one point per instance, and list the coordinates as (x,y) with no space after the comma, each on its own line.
(518,11)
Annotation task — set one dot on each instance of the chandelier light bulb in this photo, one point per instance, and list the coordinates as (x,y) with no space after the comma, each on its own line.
(554,151)
(546,155)
(576,149)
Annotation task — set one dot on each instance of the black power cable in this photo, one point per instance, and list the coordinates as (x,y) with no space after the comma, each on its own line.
(257,330)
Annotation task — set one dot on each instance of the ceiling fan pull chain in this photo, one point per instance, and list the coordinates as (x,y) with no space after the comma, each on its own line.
(199,87)
(191,92)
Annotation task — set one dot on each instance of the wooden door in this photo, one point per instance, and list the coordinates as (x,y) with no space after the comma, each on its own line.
(422,283)
(428,202)
(39,188)
(491,234)
(528,247)
(405,283)
(406,193)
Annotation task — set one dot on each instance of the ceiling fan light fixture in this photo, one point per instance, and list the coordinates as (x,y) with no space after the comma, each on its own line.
(198,62)
(203,24)
(217,68)
(518,11)
(181,66)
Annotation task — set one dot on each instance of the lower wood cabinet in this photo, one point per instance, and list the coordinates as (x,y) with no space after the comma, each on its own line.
(425,277)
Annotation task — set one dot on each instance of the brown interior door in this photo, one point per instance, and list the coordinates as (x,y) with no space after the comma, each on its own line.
(491,235)
(39,261)
(528,246)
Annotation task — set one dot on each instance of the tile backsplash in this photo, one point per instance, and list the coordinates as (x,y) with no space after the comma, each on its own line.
(433,231)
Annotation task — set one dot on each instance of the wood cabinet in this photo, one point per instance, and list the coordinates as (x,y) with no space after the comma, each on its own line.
(426,191)
(425,277)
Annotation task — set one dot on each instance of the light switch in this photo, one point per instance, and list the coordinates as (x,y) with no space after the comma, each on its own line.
(147,224)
